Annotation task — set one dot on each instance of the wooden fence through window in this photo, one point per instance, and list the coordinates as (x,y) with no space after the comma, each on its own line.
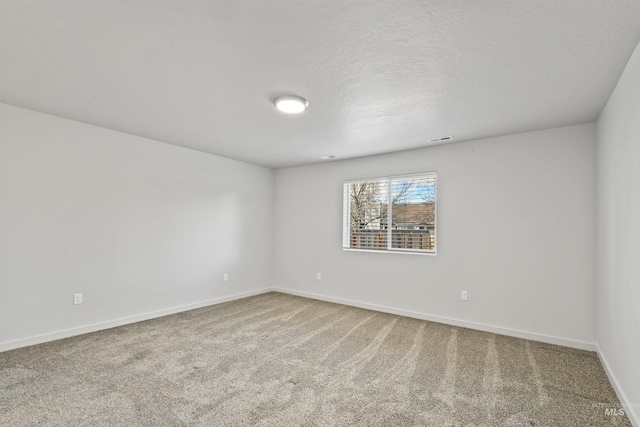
(400,239)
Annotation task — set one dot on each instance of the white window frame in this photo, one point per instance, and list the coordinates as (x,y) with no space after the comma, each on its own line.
(346,215)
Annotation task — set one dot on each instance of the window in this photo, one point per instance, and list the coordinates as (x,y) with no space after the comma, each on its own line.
(394,214)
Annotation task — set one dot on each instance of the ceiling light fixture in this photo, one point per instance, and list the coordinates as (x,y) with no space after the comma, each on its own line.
(291,104)
(328,157)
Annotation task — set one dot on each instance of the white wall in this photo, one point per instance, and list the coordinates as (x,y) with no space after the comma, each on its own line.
(143,227)
(516,229)
(618,267)
(135,225)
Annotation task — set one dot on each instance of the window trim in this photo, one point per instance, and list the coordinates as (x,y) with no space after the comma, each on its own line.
(346,214)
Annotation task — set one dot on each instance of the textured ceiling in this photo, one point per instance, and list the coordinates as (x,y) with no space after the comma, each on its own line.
(379,76)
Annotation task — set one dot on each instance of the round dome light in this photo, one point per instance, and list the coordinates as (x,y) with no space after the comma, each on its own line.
(291,104)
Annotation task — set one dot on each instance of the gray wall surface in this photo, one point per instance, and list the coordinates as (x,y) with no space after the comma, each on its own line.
(618,267)
(137,226)
(515,227)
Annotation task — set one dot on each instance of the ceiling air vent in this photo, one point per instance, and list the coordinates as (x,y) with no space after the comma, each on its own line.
(443,139)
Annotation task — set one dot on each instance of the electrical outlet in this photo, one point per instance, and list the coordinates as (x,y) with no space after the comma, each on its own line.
(225,277)
(463,295)
(319,276)
(77,298)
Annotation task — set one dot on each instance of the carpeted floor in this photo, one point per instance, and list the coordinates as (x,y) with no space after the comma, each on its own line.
(281,360)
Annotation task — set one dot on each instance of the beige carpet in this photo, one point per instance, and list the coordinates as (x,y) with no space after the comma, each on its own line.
(281,360)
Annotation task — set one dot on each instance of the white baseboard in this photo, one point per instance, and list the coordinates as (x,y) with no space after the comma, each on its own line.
(39,339)
(629,409)
(566,342)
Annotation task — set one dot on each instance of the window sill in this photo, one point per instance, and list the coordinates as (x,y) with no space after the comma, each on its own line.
(399,251)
